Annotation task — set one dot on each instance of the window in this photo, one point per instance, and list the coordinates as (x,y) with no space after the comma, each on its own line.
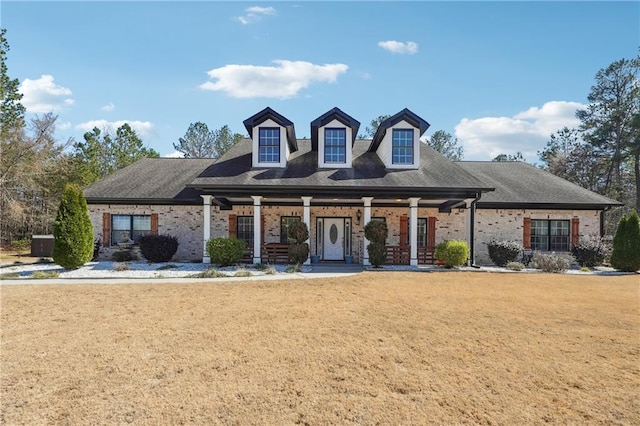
(129,227)
(335,145)
(269,144)
(550,235)
(402,146)
(244,229)
(285,222)
(422,231)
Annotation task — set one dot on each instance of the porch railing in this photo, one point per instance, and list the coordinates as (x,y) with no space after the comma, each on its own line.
(401,255)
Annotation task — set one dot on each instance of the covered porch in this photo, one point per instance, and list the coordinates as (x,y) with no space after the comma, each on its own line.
(336,225)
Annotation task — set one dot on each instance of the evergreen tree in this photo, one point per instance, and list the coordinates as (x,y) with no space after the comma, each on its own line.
(626,244)
(72,232)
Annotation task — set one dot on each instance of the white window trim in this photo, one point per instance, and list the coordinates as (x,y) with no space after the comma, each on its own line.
(284,147)
(335,124)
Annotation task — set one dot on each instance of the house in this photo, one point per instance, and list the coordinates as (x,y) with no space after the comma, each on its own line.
(336,184)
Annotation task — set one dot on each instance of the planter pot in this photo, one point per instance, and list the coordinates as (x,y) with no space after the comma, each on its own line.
(315,259)
(348,259)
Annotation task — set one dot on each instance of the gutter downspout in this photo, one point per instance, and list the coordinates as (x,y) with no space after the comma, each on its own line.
(472,245)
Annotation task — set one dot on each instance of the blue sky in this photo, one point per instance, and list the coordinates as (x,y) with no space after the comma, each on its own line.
(501,76)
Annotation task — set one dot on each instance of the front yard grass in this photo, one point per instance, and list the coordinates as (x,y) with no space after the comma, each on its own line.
(377,347)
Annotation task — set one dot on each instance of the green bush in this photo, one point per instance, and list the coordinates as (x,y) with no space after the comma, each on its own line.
(376,231)
(589,252)
(626,244)
(550,262)
(452,253)
(123,256)
(503,252)
(72,230)
(298,234)
(157,248)
(377,253)
(225,251)
(21,246)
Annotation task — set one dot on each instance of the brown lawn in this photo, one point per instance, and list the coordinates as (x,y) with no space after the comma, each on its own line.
(376,348)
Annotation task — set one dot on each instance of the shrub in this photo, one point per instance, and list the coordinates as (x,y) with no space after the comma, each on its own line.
(72,230)
(39,275)
(298,234)
(121,267)
(503,252)
(550,262)
(123,256)
(452,253)
(515,266)
(158,248)
(376,232)
(626,244)
(225,251)
(96,249)
(589,252)
(243,273)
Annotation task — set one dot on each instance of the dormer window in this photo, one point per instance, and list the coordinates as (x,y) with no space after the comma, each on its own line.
(402,146)
(396,140)
(269,144)
(335,145)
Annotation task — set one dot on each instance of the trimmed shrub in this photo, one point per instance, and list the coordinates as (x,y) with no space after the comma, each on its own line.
(157,248)
(452,253)
(550,262)
(626,244)
(376,232)
(123,256)
(298,234)
(503,252)
(225,251)
(589,252)
(21,246)
(72,230)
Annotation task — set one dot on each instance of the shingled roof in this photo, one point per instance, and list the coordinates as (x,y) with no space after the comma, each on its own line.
(233,174)
(150,181)
(522,185)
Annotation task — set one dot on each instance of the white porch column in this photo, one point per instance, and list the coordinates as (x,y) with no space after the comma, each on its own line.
(367,219)
(257,229)
(413,230)
(469,218)
(206,233)
(306,218)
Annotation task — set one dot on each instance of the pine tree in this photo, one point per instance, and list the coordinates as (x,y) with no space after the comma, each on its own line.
(626,244)
(72,232)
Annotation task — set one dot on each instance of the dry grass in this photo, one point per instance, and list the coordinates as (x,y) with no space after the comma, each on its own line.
(388,348)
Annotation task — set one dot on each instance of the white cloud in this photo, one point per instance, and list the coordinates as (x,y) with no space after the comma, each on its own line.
(43,95)
(143,128)
(393,46)
(108,107)
(527,131)
(255,14)
(282,81)
(174,154)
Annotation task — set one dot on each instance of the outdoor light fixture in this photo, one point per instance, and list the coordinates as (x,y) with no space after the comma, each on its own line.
(358,216)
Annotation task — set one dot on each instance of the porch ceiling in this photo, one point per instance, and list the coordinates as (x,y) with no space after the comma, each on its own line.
(440,203)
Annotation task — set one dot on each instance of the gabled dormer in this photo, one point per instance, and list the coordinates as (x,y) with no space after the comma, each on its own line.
(274,138)
(397,140)
(332,136)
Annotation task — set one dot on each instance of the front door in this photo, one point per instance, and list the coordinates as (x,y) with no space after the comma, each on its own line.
(333,239)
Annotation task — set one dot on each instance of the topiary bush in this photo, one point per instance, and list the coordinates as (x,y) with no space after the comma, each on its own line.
(503,252)
(225,251)
(550,262)
(626,244)
(298,234)
(72,230)
(452,253)
(157,248)
(376,232)
(589,252)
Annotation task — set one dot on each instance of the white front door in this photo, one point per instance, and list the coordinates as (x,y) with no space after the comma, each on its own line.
(333,239)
